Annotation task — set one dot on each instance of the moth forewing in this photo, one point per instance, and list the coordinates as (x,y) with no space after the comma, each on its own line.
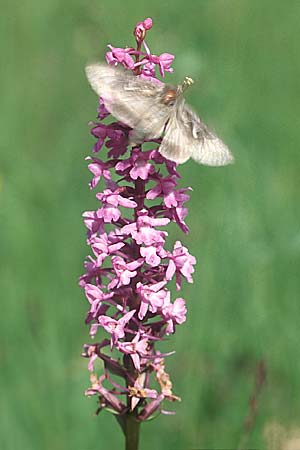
(102,78)
(176,143)
(151,120)
(131,100)
(206,147)
(212,152)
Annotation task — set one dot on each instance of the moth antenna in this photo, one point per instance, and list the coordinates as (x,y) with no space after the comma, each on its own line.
(187,82)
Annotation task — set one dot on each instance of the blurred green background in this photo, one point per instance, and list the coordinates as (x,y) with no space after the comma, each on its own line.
(244,220)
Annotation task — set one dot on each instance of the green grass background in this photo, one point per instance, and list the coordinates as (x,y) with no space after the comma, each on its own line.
(244,220)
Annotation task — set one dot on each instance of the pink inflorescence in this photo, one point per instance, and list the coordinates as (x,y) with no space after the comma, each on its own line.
(127,275)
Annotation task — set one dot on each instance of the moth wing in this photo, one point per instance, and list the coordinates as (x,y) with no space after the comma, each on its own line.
(176,143)
(130,99)
(206,147)
(151,123)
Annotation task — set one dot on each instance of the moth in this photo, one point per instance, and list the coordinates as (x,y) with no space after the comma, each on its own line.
(154,109)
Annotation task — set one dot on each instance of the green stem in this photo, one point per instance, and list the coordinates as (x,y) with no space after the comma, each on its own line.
(132,429)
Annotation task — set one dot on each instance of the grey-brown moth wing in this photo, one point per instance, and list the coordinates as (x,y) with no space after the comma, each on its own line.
(176,143)
(130,99)
(187,136)
(207,147)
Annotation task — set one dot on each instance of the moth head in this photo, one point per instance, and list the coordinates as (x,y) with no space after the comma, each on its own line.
(169,96)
